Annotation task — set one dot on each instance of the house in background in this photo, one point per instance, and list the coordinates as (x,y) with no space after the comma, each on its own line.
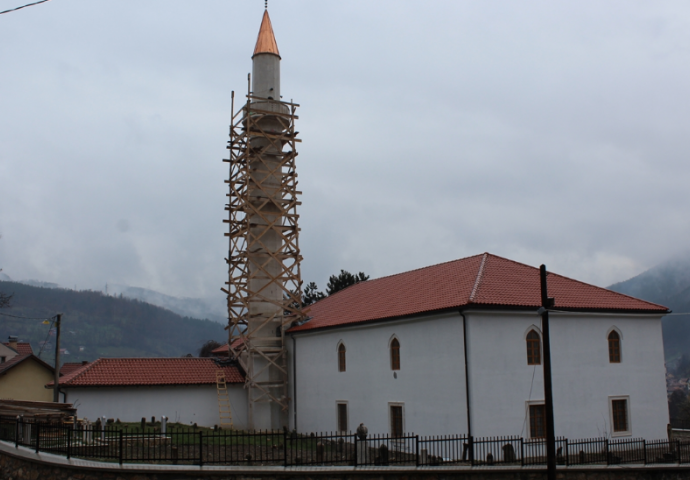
(183,389)
(457,348)
(22,374)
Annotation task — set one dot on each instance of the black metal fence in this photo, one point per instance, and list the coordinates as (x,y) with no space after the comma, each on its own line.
(194,446)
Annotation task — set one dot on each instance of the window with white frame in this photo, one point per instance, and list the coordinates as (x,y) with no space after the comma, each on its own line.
(342,416)
(619,408)
(397,419)
(537,420)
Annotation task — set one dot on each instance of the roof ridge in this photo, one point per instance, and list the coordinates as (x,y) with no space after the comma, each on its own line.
(78,372)
(480,274)
(410,271)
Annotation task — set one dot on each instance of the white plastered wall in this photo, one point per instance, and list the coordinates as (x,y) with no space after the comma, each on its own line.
(431,382)
(582,376)
(184,404)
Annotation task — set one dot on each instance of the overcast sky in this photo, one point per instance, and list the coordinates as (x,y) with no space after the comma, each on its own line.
(541,131)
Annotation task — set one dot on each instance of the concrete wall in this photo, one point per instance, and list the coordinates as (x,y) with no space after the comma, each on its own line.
(183,404)
(26,381)
(431,382)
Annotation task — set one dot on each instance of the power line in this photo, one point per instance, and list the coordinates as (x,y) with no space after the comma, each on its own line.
(46,339)
(23,6)
(27,318)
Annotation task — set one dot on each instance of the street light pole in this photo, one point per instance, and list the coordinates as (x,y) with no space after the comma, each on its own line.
(56,390)
(546,303)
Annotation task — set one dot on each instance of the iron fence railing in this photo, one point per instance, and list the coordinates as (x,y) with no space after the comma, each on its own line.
(195,446)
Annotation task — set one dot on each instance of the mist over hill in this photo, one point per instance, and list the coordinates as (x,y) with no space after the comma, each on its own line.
(98,325)
(667,284)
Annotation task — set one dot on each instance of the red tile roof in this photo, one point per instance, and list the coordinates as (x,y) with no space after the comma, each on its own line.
(484,280)
(111,372)
(23,348)
(69,367)
(224,350)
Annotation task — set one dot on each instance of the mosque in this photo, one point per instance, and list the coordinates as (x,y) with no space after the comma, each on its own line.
(451,348)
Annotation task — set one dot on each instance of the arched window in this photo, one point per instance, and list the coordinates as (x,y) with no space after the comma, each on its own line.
(341,357)
(395,354)
(614,347)
(533,348)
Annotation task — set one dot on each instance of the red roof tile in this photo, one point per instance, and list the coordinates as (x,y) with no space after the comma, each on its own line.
(224,350)
(69,367)
(111,372)
(484,280)
(23,348)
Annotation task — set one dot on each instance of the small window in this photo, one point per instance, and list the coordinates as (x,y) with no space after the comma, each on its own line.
(2,359)
(341,358)
(342,417)
(614,347)
(619,415)
(533,348)
(537,421)
(395,354)
(396,421)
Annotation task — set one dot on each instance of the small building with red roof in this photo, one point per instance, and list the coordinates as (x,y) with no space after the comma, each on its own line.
(22,374)
(182,389)
(457,348)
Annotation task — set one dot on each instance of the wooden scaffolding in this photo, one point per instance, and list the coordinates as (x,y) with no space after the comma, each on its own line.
(264,287)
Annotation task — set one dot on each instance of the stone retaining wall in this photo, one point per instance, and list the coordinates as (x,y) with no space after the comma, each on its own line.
(23,464)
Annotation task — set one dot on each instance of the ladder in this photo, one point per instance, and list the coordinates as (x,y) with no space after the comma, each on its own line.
(223,401)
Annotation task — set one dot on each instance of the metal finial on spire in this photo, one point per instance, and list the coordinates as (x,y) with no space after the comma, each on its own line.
(265,4)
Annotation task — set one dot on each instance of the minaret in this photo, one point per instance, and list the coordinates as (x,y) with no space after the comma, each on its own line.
(264,284)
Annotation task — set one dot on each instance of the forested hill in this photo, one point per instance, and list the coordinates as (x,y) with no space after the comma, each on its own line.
(667,284)
(96,325)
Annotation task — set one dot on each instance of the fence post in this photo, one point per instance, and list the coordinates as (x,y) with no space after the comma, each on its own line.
(416,443)
(678,450)
(567,455)
(356,450)
(644,445)
(201,449)
(69,442)
(471,452)
(120,448)
(606,450)
(16,432)
(285,449)
(522,452)
(38,436)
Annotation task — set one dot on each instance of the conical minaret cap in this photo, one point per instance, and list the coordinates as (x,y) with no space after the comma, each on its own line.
(266,41)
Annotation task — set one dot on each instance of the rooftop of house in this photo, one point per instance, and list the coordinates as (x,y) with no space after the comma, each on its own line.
(69,367)
(480,281)
(224,350)
(21,358)
(23,348)
(112,372)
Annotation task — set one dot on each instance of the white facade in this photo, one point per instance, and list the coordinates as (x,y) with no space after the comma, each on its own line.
(431,385)
(186,404)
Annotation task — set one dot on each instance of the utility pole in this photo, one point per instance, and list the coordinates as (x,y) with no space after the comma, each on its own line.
(56,390)
(546,303)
